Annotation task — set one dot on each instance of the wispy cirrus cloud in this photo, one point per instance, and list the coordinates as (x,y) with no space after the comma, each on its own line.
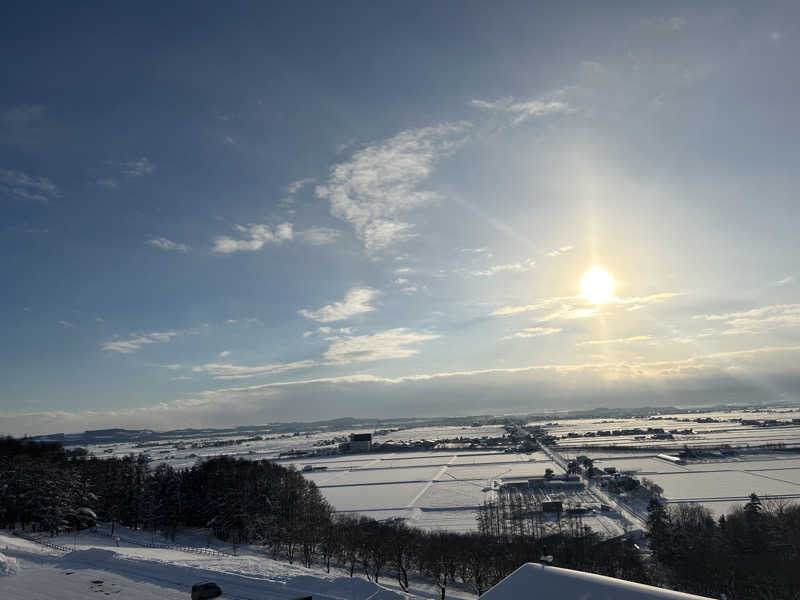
(530,332)
(356,301)
(298,185)
(137,167)
(27,187)
(380,183)
(344,349)
(384,345)
(135,342)
(231,371)
(163,243)
(254,237)
(518,267)
(330,333)
(625,340)
(757,320)
(521,111)
(318,236)
(576,307)
(701,365)
(559,251)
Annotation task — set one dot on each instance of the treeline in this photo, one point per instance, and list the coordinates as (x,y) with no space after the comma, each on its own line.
(753,552)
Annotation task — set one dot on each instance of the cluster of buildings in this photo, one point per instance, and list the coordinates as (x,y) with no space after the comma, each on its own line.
(358,442)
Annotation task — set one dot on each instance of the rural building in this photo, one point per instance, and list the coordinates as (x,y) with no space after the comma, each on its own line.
(360,442)
(552,506)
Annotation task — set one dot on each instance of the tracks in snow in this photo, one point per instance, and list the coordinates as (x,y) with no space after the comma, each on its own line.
(427,486)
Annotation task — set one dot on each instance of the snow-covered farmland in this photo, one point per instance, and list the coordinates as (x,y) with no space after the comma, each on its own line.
(441,488)
(431,490)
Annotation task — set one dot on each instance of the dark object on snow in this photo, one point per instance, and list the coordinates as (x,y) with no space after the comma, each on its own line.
(304,598)
(202,591)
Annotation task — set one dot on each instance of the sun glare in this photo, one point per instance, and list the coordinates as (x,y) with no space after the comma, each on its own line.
(597,285)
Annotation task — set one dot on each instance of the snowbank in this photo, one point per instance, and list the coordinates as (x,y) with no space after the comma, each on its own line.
(8,565)
(534,580)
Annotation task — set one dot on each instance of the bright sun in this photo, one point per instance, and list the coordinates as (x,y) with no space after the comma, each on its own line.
(597,285)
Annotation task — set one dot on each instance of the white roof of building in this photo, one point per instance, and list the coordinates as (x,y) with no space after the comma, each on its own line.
(542,582)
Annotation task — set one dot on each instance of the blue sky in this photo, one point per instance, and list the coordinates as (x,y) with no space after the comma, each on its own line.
(217,214)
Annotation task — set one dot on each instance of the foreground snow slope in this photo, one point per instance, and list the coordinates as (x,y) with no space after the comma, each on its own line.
(144,574)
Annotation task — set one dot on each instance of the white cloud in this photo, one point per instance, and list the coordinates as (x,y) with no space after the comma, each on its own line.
(381,182)
(256,237)
(230,371)
(786,280)
(66,323)
(616,371)
(356,301)
(522,111)
(518,267)
(318,236)
(757,320)
(389,344)
(296,186)
(530,332)
(622,382)
(134,343)
(27,187)
(165,244)
(329,333)
(626,340)
(576,307)
(224,353)
(137,167)
(559,251)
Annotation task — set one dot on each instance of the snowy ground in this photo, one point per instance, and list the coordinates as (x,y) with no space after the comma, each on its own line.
(431,490)
(99,566)
(720,484)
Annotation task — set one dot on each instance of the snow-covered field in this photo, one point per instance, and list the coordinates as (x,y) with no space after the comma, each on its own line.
(720,484)
(433,490)
(443,488)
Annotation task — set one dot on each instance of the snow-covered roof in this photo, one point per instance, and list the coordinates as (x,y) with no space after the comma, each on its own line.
(544,582)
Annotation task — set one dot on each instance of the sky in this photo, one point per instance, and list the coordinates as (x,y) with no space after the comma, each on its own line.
(217,214)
